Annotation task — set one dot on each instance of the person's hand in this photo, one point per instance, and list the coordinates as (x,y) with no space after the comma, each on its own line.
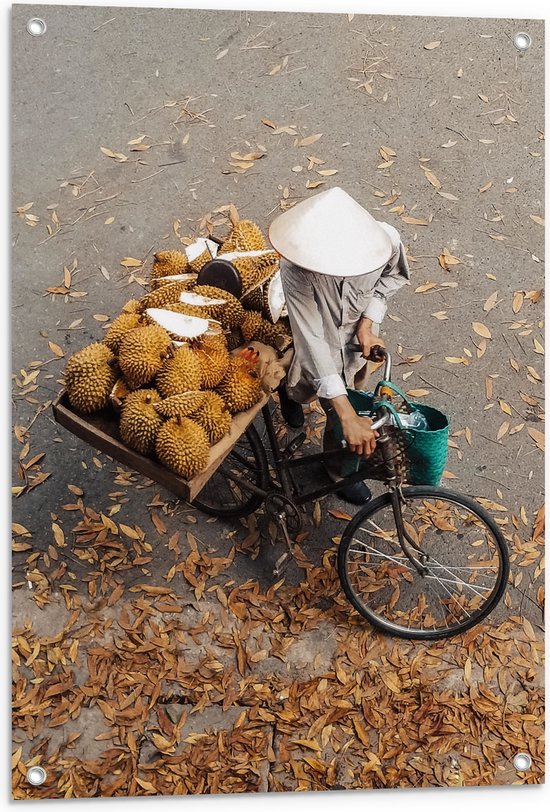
(358,434)
(366,338)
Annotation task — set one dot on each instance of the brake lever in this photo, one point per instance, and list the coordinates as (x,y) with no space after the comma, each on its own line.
(377,353)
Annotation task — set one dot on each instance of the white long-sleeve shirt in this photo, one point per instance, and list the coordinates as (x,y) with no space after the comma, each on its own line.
(324,311)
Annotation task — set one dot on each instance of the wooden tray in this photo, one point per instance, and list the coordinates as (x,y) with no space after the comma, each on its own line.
(100,430)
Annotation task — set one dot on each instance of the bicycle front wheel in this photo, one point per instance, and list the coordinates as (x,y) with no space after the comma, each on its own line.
(465,564)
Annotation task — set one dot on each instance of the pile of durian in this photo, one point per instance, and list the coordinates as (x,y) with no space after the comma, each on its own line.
(165,362)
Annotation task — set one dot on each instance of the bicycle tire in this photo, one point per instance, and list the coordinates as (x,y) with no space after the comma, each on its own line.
(420,492)
(252,501)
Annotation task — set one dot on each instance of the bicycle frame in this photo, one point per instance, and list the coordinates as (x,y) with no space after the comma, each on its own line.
(285,484)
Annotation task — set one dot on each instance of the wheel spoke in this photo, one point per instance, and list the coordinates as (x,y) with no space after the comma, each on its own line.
(450,594)
(457,580)
(222,496)
(372,551)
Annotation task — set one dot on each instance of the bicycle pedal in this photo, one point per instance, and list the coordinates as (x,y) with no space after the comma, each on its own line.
(294,445)
(281,564)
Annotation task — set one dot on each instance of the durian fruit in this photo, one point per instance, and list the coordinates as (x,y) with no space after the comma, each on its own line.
(169,262)
(197,263)
(230,314)
(181,326)
(241,386)
(254,267)
(273,296)
(89,378)
(245,236)
(180,373)
(142,352)
(118,329)
(118,393)
(234,338)
(182,446)
(248,270)
(213,416)
(140,421)
(191,297)
(165,294)
(256,328)
(167,280)
(254,300)
(132,306)
(199,253)
(185,310)
(211,350)
(247,267)
(181,405)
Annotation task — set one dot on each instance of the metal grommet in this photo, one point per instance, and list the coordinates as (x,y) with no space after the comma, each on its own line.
(522,40)
(36,776)
(36,26)
(522,762)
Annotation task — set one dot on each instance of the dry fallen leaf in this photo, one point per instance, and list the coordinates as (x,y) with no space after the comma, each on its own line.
(537,437)
(424,288)
(310,139)
(517,301)
(445,260)
(480,328)
(433,179)
(56,349)
(491,302)
(414,221)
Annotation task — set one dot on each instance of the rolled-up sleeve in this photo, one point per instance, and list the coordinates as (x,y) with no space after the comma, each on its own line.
(310,346)
(394,276)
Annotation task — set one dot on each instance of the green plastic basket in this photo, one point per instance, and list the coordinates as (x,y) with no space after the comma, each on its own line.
(420,454)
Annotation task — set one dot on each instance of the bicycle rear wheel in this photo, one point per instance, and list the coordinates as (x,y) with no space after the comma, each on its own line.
(223,497)
(466,564)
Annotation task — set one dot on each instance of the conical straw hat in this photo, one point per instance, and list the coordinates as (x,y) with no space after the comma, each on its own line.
(331,233)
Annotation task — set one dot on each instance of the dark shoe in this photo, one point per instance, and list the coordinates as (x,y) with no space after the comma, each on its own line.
(356,494)
(292,412)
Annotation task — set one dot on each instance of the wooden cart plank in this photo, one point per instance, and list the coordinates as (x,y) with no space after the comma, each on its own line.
(101,432)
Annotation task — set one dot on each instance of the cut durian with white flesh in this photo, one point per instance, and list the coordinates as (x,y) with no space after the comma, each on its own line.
(209,332)
(188,297)
(231,255)
(212,246)
(176,277)
(275,297)
(196,248)
(177,324)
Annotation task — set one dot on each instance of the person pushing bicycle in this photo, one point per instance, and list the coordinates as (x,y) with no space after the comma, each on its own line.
(338,266)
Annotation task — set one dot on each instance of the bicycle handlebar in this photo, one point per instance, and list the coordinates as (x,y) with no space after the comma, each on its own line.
(377,354)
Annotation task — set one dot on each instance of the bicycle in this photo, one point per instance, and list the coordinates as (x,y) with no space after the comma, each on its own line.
(398,552)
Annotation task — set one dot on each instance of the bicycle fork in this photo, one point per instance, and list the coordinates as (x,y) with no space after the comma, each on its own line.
(397,500)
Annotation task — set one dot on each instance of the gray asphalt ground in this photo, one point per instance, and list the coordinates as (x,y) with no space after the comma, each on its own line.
(451,135)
